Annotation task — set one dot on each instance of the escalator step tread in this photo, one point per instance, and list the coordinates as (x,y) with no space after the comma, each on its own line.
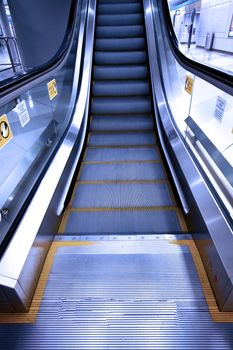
(122,139)
(122,19)
(120,44)
(115,105)
(117,1)
(122,172)
(122,88)
(122,195)
(120,31)
(122,122)
(119,58)
(121,154)
(119,8)
(120,72)
(122,222)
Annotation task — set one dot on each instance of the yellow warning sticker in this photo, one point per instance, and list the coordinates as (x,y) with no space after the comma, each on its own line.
(5,131)
(189,84)
(52,89)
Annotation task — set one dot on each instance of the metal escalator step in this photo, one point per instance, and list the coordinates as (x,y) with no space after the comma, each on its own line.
(116,1)
(120,44)
(118,58)
(121,139)
(121,88)
(123,222)
(122,19)
(120,73)
(122,172)
(120,31)
(120,154)
(121,195)
(115,105)
(122,122)
(116,8)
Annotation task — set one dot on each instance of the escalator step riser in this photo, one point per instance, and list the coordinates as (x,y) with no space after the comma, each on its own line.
(121,122)
(120,195)
(121,139)
(121,154)
(122,44)
(115,8)
(127,88)
(120,73)
(122,222)
(122,172)
(117,1)
(119,31)
(115,20)
(121,105)
(119,58)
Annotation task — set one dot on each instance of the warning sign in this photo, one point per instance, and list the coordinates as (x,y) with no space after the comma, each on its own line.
(5,131)
(52,89)
(23,114)
(220,108)
(189,84)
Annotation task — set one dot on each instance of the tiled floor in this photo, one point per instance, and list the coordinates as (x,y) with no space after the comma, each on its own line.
(217,59)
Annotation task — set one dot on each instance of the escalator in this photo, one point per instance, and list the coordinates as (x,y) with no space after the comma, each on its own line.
(123,272)
(122,186)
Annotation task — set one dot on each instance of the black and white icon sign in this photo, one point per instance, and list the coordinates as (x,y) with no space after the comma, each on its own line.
(4,129)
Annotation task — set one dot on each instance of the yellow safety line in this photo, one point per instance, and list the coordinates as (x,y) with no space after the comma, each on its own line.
(31,315)
(216,314)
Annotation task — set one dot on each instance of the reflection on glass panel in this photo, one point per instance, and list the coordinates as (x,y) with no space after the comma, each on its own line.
(204,30)
(31,126)
(202,114)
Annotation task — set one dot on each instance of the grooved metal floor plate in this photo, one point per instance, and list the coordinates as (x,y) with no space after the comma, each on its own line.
(121,295)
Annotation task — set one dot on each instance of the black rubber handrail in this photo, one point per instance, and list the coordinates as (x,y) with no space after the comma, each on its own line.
(214,76)
(11,84)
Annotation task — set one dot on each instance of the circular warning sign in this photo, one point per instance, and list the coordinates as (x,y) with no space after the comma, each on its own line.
(4,130)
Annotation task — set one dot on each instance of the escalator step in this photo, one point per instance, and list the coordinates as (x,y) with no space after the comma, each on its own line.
(126,72)
(123,19)
(116,1)
(123,222)
(123,88)
(107,105)
(120,154)
(122,172)
(118,58)
(122,44)
(116,8)
(121,139)
(119,31)
(122,122)
(122,195)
